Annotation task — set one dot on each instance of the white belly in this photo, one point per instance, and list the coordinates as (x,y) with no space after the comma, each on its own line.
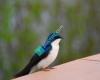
(50,58)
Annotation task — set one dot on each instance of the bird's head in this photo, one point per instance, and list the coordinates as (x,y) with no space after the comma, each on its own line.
(54,37)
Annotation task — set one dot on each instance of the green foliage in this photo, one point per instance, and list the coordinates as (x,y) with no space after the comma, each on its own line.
(20,30)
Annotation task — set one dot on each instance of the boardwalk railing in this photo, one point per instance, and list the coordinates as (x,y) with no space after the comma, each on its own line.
(82,69)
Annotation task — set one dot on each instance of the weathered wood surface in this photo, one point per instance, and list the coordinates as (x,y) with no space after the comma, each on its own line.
(82,69)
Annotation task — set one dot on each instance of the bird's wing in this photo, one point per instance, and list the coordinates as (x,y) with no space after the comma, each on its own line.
(36,58)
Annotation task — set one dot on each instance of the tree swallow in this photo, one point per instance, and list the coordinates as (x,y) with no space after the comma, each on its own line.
(44,54)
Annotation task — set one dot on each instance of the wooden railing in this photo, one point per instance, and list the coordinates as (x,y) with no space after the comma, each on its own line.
(82,69)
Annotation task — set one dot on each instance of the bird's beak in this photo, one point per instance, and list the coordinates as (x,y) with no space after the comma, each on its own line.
(61,37)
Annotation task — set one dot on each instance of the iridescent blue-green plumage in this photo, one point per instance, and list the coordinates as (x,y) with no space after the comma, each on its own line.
(39,53)
(47,45)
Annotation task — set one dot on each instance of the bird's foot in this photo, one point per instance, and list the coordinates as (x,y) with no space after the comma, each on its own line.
(47,69)
(50,68)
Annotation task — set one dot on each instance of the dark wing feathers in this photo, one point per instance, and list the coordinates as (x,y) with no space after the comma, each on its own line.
(34,60)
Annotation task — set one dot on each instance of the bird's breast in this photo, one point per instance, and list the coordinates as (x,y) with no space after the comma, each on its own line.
(50,58)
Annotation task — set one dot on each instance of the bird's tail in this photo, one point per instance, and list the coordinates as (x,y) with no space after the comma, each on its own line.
(34,60)
(22,73)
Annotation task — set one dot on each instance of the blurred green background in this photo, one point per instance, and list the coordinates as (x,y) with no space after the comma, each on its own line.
(25,24)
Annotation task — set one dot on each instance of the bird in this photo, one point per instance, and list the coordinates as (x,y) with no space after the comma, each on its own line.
(44,55)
